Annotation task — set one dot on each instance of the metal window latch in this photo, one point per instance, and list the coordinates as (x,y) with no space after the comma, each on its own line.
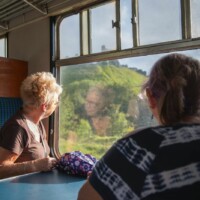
(115,24)
(134,20)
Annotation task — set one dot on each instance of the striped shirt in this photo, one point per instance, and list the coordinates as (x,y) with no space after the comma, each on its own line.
(157,163)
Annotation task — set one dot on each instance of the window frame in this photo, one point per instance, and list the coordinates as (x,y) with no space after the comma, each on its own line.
(186,43)
(5,44)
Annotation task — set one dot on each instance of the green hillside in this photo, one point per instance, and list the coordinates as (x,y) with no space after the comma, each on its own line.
(121,83)
(110,75)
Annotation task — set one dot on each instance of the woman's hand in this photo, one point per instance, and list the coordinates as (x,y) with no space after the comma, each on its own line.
(45,164)
(88,174)
(9,168)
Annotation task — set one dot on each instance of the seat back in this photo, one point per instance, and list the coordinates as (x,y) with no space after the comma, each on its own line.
(8,107)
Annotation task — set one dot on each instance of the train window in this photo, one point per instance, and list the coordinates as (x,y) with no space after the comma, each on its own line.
(119,25)
(3,47)
(101,102)
(70,37)
(159,21)
(126,28)
(120,41)
(195,15)
(103,31)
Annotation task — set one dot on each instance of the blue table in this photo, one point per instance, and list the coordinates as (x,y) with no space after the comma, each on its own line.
(41,186)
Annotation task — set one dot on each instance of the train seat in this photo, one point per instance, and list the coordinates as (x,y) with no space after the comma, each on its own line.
(8,107)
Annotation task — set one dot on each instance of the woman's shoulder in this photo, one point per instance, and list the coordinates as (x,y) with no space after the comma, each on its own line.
(143,131)
(163,135)
(162,130)
(16,121)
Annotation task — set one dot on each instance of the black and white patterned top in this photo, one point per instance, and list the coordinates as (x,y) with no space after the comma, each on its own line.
(157,163)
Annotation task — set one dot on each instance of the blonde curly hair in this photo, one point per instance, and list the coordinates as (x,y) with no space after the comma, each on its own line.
(40,88)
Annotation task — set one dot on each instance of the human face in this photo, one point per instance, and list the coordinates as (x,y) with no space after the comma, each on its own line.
(94,104)
(50,108)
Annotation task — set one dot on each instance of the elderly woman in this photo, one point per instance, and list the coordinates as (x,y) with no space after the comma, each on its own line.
(23,144)
(161,162)
(98,100)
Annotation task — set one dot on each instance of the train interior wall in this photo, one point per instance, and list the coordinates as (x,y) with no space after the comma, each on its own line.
(31,43)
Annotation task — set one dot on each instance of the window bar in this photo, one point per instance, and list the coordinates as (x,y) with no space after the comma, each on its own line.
(89,32)
(186,19)
(6,45)
(84,27)
(81,32)
(135,23)
(118,26)
(57,40)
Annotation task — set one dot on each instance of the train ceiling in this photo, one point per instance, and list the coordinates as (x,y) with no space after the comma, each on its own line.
(10,9)
(17,13)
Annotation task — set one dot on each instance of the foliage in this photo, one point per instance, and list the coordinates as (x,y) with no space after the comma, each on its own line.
(76,131)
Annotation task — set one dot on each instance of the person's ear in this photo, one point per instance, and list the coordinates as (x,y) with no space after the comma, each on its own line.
(151,99)
(44,107)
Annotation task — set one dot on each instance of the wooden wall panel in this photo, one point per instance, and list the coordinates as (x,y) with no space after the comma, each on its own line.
(12,73)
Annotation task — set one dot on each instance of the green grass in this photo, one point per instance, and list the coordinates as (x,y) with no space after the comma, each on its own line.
(94,145)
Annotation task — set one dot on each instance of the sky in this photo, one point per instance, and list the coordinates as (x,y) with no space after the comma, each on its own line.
(159,21)
(146,62)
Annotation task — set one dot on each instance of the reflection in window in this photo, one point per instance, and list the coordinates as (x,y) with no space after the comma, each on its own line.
(195,18)
(100,103)
(159,21)
(103,35)
(2,47)
(126,26)
(70,37)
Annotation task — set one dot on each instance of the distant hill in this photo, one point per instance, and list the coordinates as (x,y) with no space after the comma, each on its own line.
(105,74)
(122,85)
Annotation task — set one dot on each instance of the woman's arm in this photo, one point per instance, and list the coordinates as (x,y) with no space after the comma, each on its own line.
(9,168)
(87,192)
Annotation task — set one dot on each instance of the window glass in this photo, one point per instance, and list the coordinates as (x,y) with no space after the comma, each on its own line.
(70,37)
(2,47)
(159,21)
(195,18)
(103,35)
(126,26)
(101,102)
